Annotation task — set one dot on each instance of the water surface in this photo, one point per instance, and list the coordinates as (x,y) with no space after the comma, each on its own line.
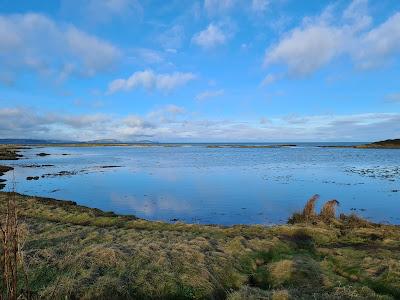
(226,186)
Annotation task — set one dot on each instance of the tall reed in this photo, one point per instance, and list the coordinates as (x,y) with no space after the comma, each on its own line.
(328,211)
(309,208)
(11,250)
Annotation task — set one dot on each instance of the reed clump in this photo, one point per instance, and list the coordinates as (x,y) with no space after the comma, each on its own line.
(328,211)
(309,215)
(309,208)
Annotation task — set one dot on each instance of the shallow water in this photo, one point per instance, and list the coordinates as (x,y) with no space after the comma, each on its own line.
(216,185)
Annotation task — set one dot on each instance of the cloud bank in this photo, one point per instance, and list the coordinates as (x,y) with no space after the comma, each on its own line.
(318,41)
(174,123)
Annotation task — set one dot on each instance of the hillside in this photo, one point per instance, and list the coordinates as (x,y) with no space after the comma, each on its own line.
(395,143)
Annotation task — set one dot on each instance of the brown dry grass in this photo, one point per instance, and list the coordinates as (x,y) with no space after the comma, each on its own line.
(12,235)
(309,208)
(328,211)
(9,254)
(327,214)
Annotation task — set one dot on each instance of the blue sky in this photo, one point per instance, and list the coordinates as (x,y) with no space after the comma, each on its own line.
(206,70)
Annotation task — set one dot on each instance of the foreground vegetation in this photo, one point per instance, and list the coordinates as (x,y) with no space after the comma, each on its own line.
(73,252)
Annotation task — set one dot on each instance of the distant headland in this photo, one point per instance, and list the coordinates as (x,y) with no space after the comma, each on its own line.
(386,144)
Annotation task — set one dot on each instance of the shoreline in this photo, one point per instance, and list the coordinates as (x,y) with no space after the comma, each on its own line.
(12,151)
(128,217)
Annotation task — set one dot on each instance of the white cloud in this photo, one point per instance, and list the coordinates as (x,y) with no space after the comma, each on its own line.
(104,11)
(147,56)
(167,114)
(394,97)
(265,121)
(35,42)
(214,7)
(26,122)
(318,41)
(270,79)
(357,14)
(210,37)
(174,109)
(94,53)
(151,81)
(172,39)
(378,44)
(136,122)
(259,6)
(218,8)
(209,94)
(305,50)
(82,121)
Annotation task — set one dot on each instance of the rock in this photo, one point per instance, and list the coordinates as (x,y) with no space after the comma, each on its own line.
(42,154)
(5,169)
(106,167)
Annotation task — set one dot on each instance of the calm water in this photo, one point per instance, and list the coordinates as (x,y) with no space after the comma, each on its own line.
(216,186)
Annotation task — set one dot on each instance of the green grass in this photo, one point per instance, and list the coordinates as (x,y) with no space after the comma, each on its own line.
(77,252)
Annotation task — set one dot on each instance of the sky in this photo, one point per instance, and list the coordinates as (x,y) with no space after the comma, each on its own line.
(201,70)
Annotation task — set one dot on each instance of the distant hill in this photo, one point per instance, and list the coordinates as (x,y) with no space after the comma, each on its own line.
(104,141)
(114,141)
(33,141)
(41,142)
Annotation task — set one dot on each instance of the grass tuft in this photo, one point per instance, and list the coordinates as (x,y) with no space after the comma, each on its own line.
(328,211)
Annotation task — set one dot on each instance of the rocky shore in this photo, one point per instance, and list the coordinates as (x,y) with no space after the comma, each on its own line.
(8,152)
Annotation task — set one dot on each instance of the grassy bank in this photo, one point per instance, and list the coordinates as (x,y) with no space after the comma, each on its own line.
(10,152)
(394,144)
(77,252)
